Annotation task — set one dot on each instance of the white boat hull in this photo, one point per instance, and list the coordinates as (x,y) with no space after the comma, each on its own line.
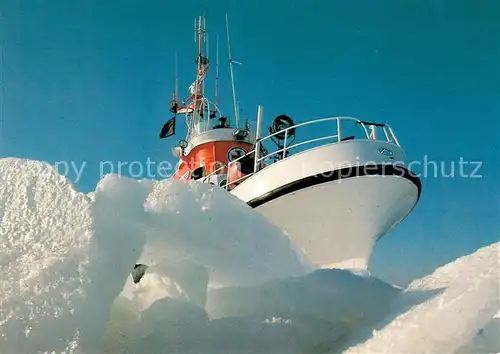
(335,201)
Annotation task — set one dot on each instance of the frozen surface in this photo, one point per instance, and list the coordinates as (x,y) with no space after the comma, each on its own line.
(220,279)
(486,339)
(65,256)
(45,239)
(464,299)
(205,225)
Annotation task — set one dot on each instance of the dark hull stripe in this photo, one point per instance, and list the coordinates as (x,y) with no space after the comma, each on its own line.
(343,173)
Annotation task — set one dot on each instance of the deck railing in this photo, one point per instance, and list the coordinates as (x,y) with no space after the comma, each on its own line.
(369,130)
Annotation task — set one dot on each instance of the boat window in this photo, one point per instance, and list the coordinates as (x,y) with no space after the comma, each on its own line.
(198,173)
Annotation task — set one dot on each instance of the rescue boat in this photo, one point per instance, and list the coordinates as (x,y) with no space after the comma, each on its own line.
(334,185)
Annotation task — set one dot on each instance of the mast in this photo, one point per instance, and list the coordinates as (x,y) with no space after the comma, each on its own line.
(236,117)
(198,84)
(197,88)
(196,106)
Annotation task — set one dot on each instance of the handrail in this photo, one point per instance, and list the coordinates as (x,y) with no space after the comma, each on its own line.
(285,148)
(368,128)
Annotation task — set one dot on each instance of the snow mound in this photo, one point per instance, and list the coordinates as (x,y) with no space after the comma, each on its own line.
(486,339)
(332,311)
(45,239)
(65,257)
(312,313)
(465,297)
(205,225)
(326,294)
(221,278)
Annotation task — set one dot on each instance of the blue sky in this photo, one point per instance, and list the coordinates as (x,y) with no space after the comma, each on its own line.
(90,81)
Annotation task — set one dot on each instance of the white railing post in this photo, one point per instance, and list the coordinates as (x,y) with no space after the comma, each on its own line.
(374,132)
(284,143)
(393,136)
(338,130)
(258,133)
(389,140)
(228,175)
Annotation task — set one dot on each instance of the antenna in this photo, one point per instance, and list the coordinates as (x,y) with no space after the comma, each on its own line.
(217,74)
(232,75)
(206,48)
(176,93)
(200,32)
(195,29)
(207,107)
(175,96)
